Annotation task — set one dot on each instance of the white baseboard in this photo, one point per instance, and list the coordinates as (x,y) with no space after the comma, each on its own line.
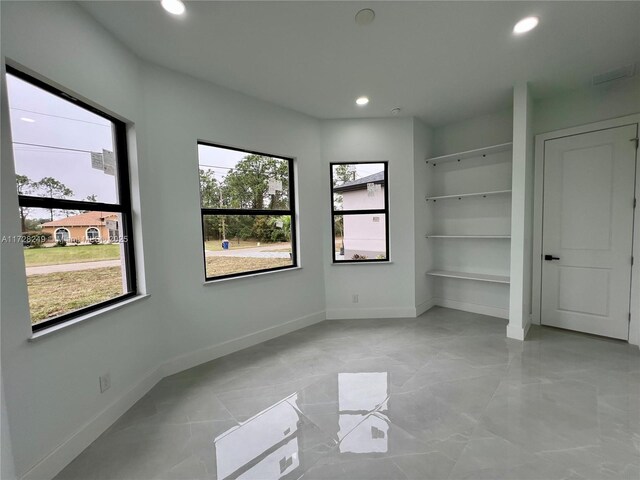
(63,454)
(70,448)
(516,332)
(360,313)
(472,307)
(198,357)
(424,306)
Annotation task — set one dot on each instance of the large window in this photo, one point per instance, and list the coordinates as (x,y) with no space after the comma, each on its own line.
(248,212)
(359,204)
(75,209)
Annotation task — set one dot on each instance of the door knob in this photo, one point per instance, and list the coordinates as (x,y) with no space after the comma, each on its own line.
(551,257)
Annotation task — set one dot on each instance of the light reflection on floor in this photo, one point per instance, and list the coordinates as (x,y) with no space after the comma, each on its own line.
(267,444)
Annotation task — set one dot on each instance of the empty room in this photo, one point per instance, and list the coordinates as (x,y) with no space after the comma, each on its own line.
(335,240)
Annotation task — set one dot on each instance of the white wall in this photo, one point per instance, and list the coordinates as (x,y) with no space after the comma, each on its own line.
(521,214)
(196,316)
(384,289)
(52,398)
(422,140)
(491,129)
(588,105)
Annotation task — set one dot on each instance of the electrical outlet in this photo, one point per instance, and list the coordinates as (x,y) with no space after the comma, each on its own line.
(354,298)
(105,382)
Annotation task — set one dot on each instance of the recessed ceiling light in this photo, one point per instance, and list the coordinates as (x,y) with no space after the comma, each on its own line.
(365,16)
(175,7)
(27,119)
(362,101)
(526,25)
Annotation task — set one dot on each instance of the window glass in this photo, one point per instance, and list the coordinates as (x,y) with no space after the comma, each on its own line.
(237,179)
(360,212)
(64,150)
(249,243)
(248,219)
(73,194)
(358,186)
(360,237)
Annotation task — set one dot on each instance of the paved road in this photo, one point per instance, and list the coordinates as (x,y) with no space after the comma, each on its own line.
(266,251)
(71,267)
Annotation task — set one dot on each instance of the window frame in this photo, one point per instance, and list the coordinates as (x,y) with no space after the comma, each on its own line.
(380,211)
(252,212)
(123,207)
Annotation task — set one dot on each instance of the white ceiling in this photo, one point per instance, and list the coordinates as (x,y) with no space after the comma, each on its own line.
(441,61)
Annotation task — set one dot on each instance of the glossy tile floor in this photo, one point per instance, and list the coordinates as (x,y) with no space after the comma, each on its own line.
(442,396)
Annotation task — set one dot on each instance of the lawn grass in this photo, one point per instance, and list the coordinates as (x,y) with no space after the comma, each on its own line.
(53,294)
(70,254)
(217,266)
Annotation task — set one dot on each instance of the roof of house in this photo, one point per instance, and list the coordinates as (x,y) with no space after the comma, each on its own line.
(87,219)
(360,183)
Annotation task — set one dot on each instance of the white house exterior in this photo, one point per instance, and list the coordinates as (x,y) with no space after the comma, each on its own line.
(364,234)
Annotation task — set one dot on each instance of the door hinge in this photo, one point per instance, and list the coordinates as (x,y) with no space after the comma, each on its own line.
(632,260)
(637,140)
(629,317)
(635,201)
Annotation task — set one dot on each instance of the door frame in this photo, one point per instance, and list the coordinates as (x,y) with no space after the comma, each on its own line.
(536,284)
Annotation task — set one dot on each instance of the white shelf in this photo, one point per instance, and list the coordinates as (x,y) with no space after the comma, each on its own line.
(478,152)
(468,195)
(469,236)
(470,276)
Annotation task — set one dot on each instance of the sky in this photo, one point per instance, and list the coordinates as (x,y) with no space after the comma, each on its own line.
(218,160)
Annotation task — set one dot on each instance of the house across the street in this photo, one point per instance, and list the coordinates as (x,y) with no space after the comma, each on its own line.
(364,235)
(85,227)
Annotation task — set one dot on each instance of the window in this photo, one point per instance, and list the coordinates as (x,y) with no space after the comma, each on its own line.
(93,234)
(360,211)
(62,235)
(247,205)
(73,190)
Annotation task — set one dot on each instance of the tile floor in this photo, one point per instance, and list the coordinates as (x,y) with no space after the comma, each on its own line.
(442,396)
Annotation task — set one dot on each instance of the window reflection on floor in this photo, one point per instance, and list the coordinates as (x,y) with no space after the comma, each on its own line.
(267,445)
(362,403)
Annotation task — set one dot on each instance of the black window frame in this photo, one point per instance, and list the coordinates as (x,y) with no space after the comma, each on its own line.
(123,207)
(380,211)
(252,212)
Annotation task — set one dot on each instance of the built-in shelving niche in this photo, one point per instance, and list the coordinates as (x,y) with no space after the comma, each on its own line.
(470,217)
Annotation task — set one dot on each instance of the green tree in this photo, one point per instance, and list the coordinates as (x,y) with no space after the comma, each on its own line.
(210,197)
(342,174)
(25,187)
(247,184)
(52,188)
(209,189)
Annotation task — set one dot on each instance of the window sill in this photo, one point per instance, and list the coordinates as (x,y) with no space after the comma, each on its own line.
(250,275)
(83,318)
(342,264)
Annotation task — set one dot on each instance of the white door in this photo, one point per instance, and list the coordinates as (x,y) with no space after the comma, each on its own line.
(589,183)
